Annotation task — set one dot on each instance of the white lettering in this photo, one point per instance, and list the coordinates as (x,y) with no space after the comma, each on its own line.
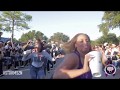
(12,72)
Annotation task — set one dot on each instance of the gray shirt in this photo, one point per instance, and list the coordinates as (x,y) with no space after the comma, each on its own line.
(37,58)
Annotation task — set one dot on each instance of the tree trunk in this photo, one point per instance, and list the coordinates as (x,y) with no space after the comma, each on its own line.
(12,36)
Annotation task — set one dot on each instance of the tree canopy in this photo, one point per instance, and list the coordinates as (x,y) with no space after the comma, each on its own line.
(110,38)
(31,35)
(14,20)
(59,37)
(111,20)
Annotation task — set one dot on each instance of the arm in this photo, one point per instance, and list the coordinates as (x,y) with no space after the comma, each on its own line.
(67,69)
(47,55)
(27,56)
(104,58)
(25,46)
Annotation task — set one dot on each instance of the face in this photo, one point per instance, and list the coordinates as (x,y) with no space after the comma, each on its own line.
(83,44)
(37,45)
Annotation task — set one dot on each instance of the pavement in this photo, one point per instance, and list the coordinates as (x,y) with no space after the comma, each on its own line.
(26,73)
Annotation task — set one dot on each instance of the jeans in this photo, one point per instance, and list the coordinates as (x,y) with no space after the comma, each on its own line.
(116,63)
(37,72)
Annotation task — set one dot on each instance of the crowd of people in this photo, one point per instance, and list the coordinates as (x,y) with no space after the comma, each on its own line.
(112,52)
(40,55)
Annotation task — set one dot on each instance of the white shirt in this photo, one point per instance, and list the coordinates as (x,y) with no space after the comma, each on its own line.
(114,50)
(7,47)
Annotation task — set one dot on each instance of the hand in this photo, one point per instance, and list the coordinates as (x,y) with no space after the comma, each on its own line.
(87,59)
(28,42)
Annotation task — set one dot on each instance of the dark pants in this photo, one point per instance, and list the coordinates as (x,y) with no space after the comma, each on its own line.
(16,63)
(1,67)
(48,65)
(8,63)
(21,63)
(27,62)
(54,62)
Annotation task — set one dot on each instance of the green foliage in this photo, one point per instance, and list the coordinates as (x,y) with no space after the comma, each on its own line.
(111,20)
(31,35)
(59,37)
(14,20)
(118,38)
(15,40)
(110,38)
(93,43)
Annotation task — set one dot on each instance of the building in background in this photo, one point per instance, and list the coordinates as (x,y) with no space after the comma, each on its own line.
(3,39)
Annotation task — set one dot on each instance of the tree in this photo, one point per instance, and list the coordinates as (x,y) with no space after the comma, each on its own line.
(118,38)
(15,40)
(111,20)
(59,37)
(93,43)
(14,20)
(110,38)
(31,35)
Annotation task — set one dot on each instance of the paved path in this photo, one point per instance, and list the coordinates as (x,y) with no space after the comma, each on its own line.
(26,73)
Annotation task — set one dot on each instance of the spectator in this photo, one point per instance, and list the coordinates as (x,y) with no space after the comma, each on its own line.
(75,64)
(1,59)
(39,60)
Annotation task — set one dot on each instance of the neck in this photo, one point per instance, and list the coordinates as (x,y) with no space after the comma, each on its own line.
(36,51)
(81,54)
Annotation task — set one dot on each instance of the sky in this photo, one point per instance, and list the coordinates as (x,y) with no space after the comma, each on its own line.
(68,22)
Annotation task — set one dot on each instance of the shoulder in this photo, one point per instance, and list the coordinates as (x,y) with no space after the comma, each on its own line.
(70,61)
(71,55)
(71,58)
(44,52)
